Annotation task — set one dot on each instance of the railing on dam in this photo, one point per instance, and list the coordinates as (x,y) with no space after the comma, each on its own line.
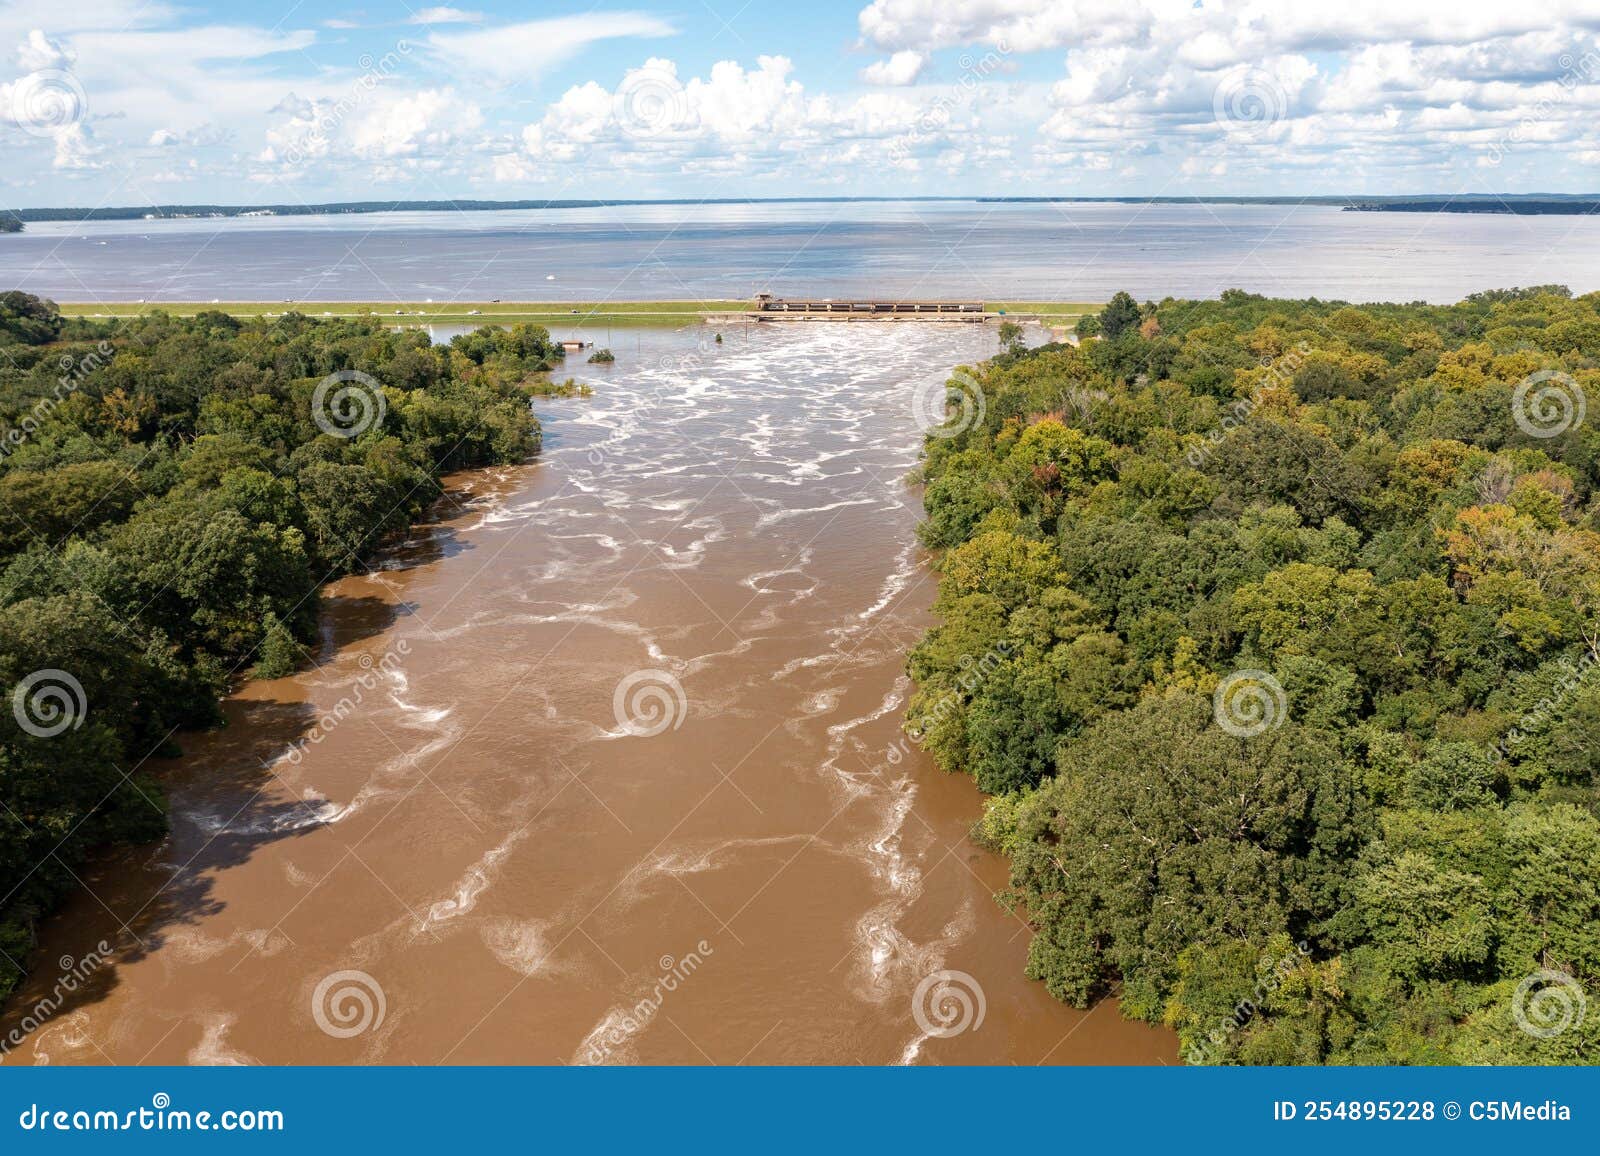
(766,304)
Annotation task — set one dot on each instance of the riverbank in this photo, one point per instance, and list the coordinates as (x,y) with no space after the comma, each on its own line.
(1200,654)
(217,576)
(612,740)
(580,314)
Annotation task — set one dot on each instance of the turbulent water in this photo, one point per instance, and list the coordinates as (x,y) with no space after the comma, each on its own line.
(596,768)
(1066,251)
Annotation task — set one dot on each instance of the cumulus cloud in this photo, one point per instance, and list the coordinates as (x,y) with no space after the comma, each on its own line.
(1249,26)
(47,102)
(397,128)
(735,119)
(414,124)
(651,103)
(902,68)
(204,135)
(1277,88)
(736,104)
(1041,96)
(38,51)
(76,149)
(1021,25)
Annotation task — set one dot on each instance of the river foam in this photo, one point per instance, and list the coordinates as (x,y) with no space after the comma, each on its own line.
(732,519)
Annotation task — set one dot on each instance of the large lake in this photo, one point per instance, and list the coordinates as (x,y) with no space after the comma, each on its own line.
(1067,251)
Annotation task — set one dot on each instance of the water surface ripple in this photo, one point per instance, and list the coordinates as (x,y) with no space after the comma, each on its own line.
(524,876)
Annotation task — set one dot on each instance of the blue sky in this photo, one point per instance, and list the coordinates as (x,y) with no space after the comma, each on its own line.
(149,101)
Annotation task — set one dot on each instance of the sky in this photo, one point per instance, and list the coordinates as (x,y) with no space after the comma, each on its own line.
(132,102)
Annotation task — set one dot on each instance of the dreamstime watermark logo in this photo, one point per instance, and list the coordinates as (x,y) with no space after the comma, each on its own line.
(935,118)
(1249,100)
(948,1003)
(73,372)
(48,702)
(47,101)
(648,702)
(1547,404)
(660,393)
(1547,1003)
(948,409)
(684,363)
(1574,71)
(74,974)
(624,1023)
(372,671)
(650,102)
(160,1116)
(327,116)
(973,673)
(1538,717)
(347,403)
(346,1004)
(1270,976)
(1280,371)
(1248,703)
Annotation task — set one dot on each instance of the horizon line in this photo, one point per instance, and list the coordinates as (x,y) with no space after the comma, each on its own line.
(468,204)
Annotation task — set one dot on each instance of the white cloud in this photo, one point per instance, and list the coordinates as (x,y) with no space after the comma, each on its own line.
(203,135)
(399,129)
(162,77)
(1117,96)
(651,107)
(523,52)
(445,16)
(580,116)
(736,104)
(510,168)
(1021,25)
(755,122)
(1251,26)
(408,126)
(39,51)
(76,149)
(902,68)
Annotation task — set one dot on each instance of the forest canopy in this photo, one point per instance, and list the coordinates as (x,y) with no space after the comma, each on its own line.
(173,492)
(1270,627)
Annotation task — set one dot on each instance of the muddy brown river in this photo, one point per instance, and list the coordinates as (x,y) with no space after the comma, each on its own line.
(595,768)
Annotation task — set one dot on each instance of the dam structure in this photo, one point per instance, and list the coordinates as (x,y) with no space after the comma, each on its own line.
(766,307)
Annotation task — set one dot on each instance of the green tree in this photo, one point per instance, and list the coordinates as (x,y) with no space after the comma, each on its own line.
(1121,315)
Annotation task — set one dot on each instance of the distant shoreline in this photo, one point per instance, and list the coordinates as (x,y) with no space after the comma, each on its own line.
(1432,202)
(616,314)
(1521,208)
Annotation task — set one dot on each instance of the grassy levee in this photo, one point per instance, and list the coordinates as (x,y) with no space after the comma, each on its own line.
(547,313)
